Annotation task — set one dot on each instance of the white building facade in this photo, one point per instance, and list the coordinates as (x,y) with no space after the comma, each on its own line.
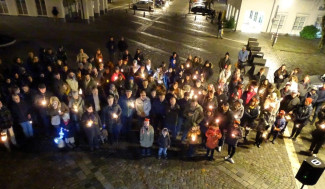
(284,16)
(82,9)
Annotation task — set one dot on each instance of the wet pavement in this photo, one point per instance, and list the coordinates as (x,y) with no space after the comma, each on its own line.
(158,34)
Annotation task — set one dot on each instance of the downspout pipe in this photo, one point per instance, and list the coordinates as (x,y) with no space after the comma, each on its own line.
(270,16)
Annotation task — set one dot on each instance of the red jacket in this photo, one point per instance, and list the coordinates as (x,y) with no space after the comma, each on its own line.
(213,135)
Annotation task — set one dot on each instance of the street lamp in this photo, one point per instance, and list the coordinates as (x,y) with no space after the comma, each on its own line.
(285,4)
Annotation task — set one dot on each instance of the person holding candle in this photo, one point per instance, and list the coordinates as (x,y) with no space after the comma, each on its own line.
(318,138)
(171,116)
(193,115)
(278,125)
(91,124)
(142,107)
(233,135)
(251,112)
(213,135)
(127,104)
(21,115)
(68,127)
(41,101)
(111,117)
(55,111)
(146,138)
(225,119)
(6,123)
(194,139)
(224,62)
(301,117)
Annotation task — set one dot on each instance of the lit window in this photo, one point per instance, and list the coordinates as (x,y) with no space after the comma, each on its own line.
(299,23)
(3,7)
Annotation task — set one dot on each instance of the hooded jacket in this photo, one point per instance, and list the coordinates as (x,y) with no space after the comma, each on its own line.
(146,136)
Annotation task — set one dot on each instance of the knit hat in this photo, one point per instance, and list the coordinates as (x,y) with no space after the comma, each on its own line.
(282,112)
(236,121)
(146,119)
(309,100)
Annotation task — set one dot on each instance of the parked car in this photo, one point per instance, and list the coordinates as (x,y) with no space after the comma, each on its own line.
(199,7)
(144,5)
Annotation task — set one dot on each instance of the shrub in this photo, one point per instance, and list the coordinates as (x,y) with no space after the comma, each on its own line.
(230,23)
(309,32)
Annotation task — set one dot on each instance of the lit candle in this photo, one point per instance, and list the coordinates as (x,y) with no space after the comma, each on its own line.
(43,102)
(281,99)
(3,137)
(115,78)
(210,107)
(122,70)
(264,135)
(193,137)
(114,115)
(90,123)
(75,108)
(107,81)
(200,92)
(100,60)
(233,135)
(132,105)
(207,123)
(142,75)
(217,120)
(195,96)
(194,77)
(187,65)
(31,122)
(80,91)
(236,116)
(97,83)
(297,125)
(288,117)
(59,111)
(322,126)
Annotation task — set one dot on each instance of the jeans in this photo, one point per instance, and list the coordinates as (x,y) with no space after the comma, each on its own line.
(116,132)
(185,131)
(317,109)
(27,129)
(127,124)
(191,150)
(162,150)
(179,124)
(146,151)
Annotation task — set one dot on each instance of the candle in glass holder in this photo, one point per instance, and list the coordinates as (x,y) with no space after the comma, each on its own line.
(43,102)
(115,78)
(122,70)
(194,77)
(75,108)
(193,137)
(80,91)
(217,120)
(132,105)
(187,65)
(115,115)
(210,107)
(142,75)
(100,60)
(200,92)
(233,135)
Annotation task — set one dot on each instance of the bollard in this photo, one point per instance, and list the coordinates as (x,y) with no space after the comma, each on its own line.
(144,14)
(194,18)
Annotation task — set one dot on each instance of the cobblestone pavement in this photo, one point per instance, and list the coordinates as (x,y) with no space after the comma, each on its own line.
(158,34)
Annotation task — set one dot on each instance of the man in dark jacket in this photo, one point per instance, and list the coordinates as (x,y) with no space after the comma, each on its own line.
(122,45)
(91,124)
(301,117)
(20,112)
(319,102)
(158,109)
(41,101)
(127,105)
(111,47)
(318,138)
(171,117)
(57,86)
(6,123)
(111,118)
(224,62)
(225,120)
(193,115)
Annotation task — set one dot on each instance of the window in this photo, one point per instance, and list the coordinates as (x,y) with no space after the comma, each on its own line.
(318,23)
(21,6)
(278,21)
(3,7)
(299,23)
(41,8)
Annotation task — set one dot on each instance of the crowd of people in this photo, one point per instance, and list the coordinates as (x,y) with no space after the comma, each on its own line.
(105,98)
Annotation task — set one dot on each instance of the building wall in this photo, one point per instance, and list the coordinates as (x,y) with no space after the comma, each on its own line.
(308,8)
